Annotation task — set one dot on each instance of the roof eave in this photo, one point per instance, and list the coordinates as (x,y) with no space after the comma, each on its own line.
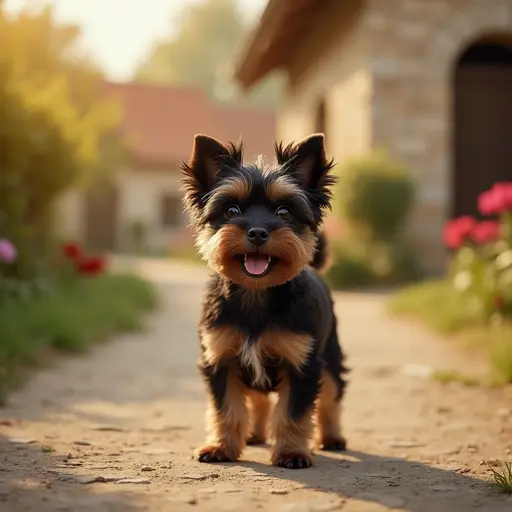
(248,69)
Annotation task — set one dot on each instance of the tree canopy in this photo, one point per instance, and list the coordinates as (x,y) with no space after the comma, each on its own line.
(53,124)
(201,53)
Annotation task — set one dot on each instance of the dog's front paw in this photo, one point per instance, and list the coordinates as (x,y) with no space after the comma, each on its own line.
(292,460)
(334,444)
(213,453)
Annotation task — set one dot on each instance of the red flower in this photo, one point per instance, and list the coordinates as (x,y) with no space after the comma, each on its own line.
(485,232)
(496,200)
(503,196)
(499,302)
(486,203)
(92,266)
(72,251)
(458,231)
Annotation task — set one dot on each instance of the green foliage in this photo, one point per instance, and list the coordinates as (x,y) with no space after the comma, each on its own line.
(201,54)
(434,302)
(375,195)
(502,476)
(447,377)
(441,307)
(53,130)
(372,263)
(482,275)
(348,270)
(70,317)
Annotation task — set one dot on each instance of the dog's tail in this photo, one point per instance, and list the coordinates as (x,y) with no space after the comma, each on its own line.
(320,259)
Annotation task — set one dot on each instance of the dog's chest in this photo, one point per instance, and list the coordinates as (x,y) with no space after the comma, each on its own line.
(259,357)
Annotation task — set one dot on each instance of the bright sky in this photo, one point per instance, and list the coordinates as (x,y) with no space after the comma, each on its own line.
(119,33)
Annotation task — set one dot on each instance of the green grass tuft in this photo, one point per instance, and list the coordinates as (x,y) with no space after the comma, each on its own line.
(502,476)
(77,314)
(434,302)
(448,376)
(441,308)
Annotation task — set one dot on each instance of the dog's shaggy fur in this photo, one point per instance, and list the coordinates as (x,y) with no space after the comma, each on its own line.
(267,322)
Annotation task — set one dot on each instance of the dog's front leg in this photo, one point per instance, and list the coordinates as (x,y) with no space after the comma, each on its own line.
(292,421)
(228,416)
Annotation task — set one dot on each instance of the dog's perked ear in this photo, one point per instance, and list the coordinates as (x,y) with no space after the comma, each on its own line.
(207,159)
(307,162)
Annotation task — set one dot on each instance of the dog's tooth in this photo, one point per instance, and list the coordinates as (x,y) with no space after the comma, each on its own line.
(269,259)
(245,257)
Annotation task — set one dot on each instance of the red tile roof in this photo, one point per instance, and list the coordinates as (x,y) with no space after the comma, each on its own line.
(159,122)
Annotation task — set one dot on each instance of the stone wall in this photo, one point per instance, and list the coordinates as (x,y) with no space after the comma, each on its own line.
(413,47)
(330,65)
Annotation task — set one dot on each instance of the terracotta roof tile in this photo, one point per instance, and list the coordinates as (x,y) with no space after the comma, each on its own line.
(159,122)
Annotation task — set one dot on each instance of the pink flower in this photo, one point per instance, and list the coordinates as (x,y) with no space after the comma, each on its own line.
(7,251)
(485,232)
(503,196)
(486,203)
(458,231)
(496,200)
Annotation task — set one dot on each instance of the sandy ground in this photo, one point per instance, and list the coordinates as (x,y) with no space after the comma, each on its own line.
(115,430)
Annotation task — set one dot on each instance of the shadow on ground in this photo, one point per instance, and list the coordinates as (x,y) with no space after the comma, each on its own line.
(393,482)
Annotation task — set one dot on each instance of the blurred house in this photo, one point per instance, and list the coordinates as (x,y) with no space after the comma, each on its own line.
(141,206)
(431,80)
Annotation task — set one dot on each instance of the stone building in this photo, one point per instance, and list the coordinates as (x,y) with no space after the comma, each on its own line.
(431,80)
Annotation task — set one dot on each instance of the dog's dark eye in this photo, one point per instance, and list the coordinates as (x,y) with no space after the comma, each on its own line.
(284,213)
(232,211)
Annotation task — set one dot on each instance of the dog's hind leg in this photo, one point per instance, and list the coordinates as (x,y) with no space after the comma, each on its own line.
(259,404)
(328,406)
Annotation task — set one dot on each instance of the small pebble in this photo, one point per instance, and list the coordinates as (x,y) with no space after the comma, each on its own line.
(279,491)
(133,481)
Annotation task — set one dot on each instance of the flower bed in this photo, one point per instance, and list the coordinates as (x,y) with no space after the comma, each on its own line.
(481,268)
(76,304)
(475,298)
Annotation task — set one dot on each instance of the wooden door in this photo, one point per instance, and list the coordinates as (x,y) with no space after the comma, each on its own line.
(483,132)
(101,218)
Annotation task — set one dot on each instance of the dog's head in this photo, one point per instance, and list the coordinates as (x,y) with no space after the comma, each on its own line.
(254,224)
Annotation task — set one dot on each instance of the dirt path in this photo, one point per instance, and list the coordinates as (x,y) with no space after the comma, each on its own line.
(134,409)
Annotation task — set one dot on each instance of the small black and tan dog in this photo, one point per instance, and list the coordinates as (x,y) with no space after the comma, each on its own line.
(267,322)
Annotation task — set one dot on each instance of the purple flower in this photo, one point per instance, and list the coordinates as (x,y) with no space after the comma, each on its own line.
(7,251)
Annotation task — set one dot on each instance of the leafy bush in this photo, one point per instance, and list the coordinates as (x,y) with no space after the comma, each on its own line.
(71,317)
(373,264)
(53,129)
(375,195)
(348,270)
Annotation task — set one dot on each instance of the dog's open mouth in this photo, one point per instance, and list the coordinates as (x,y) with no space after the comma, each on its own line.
(257,264)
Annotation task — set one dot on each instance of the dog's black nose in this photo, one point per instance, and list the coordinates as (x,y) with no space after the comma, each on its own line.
(257,236)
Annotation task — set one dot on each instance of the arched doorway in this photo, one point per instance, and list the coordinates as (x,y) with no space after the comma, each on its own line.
(482,121)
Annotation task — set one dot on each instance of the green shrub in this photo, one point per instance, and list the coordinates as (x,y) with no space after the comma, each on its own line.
(375,195)
(373,264)
(348,270)
(70,317)
(54,129)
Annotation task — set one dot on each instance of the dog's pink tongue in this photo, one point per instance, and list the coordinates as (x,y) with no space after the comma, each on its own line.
(256,264)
